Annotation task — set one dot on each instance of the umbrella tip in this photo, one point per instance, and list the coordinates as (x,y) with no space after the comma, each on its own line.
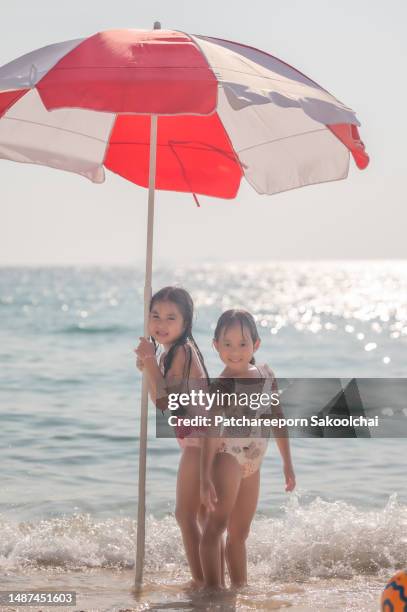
(157,25)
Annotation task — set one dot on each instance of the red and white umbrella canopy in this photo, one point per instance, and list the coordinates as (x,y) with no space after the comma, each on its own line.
(225,110)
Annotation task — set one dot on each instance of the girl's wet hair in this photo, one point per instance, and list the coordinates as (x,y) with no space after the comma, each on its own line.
(237,316)
(181,298)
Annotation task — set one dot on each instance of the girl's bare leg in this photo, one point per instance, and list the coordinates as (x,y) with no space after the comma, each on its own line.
(239,528)
(187,508)
(226,478)
(202,517)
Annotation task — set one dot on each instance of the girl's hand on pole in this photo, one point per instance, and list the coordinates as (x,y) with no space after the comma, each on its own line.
(145,349)
(289,477)
(208,495)
(140,364)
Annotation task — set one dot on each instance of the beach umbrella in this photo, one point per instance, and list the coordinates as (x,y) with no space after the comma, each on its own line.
(172,111)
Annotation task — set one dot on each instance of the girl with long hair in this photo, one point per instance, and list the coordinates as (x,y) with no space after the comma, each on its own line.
(170,325)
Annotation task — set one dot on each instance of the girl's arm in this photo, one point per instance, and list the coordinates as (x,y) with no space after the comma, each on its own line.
(207,488)
(282,440)
(210,444)
(284,448)
(157,384)
(140,367)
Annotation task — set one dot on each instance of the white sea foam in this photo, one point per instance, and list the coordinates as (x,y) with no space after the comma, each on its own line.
(321,539)
(326,539)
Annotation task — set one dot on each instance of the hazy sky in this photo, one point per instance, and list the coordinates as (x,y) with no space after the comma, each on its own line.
(356,50)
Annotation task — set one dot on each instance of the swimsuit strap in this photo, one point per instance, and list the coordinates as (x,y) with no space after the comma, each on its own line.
(194,352)
(260,370)
(189,352)
(267,374)
(188,361)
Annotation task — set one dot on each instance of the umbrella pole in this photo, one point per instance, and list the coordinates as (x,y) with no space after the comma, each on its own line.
(141,508)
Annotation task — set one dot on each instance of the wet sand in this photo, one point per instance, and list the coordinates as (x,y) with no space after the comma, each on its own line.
(100,590)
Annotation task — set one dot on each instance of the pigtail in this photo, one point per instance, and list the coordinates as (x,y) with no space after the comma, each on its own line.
(200,356)
(168,359)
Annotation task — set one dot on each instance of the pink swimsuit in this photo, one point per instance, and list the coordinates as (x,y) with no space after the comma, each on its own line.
(184,437)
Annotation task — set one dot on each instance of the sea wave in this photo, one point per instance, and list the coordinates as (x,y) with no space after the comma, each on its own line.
(95,329)
(321,539)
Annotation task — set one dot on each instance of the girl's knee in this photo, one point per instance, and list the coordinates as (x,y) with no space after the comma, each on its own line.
(185,517)
(215,526)
(237,533)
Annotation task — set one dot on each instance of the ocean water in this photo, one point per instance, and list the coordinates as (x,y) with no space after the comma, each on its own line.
(69,410)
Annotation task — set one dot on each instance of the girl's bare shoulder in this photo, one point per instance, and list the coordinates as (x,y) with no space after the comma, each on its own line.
(268,371)
(196,366)
(179,359)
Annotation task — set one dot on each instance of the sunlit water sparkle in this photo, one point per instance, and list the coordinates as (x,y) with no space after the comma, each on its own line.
(69,401)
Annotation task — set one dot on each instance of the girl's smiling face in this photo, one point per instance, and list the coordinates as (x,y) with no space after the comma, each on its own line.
(166,323)
(236,347)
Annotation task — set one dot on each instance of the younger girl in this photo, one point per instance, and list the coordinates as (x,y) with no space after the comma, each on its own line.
(170,325)
(230,467)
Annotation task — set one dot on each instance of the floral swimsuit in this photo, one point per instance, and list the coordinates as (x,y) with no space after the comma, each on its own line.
(249,451)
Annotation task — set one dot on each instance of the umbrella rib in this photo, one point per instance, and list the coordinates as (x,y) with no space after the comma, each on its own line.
(272,141)
(183,171)
(54,127)
(302,185)
(259,76)
(77,68)
(204,146)
(267,78)
(250,74)
(186,143)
